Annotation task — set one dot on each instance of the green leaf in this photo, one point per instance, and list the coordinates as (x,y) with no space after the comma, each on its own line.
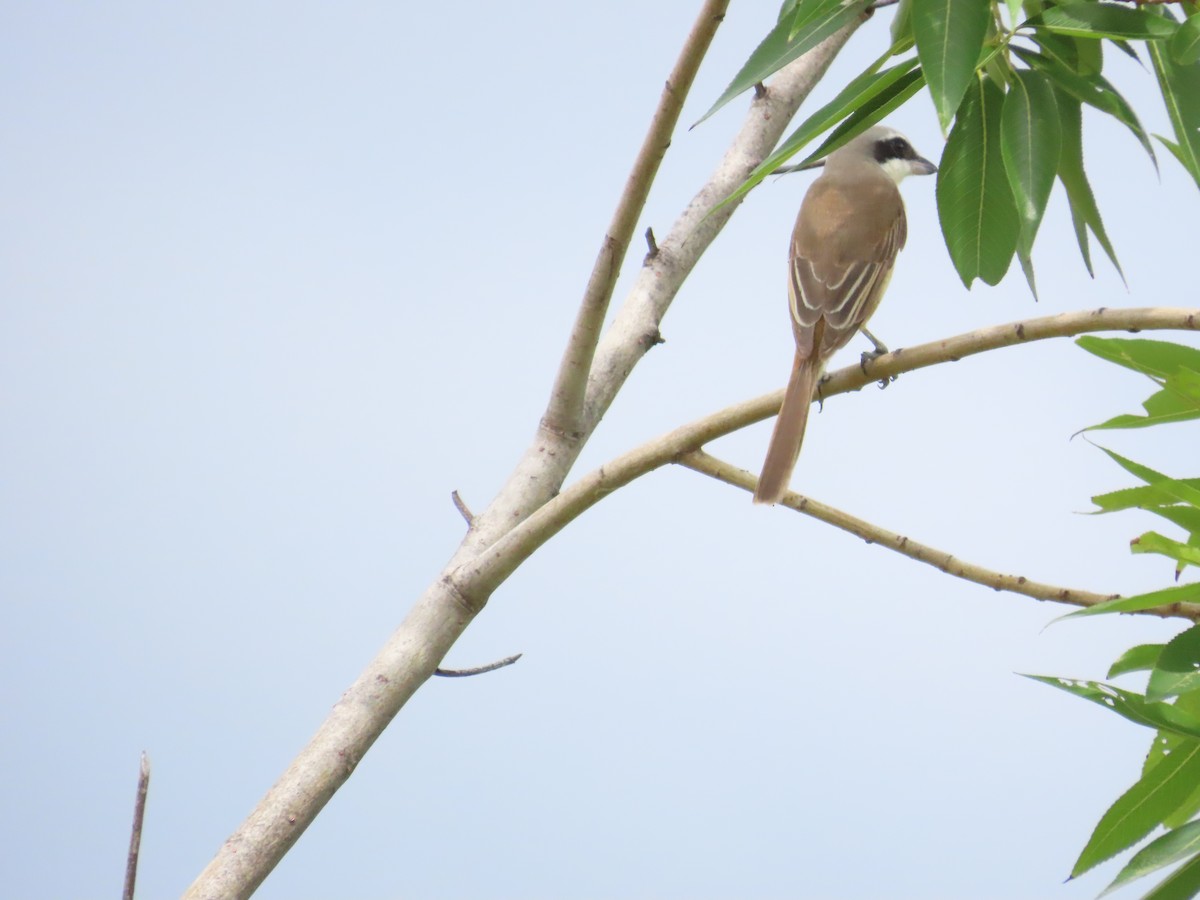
(975,203)
(1162,408)
(1143,807)
(1085,214)
(1158,359)
(1176,488)
(1162,852)
(870,112)
(1180,85)
(949,36)
(1178,667)
(1026,262)
(1185,384)
(1153,542)
(1148,498)
(1030,139)
(868,99)
(1015,16)
(799,30)
(1185,46)
(1129,50)
(1104,20)
(1183,593)
(1130,705)
(1136,659)
(1186,517)
(868,86)
(1166,743)
(1091,56)
(1182,884)
(902,32)
(1094,90)
(1174,367)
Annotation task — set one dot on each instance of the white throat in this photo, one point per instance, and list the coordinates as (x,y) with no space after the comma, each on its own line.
(897,169)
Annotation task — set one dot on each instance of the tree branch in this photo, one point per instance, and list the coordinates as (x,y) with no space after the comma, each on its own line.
(701,462)
(634,330)
(448,605)
(515,547)
(564,411)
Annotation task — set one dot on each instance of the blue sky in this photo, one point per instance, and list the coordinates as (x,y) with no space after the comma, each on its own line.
(277,278)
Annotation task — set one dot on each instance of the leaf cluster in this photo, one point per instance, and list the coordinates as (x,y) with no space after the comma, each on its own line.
(1008,81)
(1167,793)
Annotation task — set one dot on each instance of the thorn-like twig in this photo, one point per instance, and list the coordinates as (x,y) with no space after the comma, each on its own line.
(651,244)
(478,670)
(760,90)
(135,837)
(462,508)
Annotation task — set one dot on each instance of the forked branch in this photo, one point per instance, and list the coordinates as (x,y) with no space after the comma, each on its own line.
(516,546)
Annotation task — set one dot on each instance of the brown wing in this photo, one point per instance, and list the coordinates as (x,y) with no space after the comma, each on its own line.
(841,259)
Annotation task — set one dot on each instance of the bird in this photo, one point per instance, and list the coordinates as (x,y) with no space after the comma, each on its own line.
(850,227)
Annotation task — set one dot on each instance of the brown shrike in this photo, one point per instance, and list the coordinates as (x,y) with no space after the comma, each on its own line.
(850,228)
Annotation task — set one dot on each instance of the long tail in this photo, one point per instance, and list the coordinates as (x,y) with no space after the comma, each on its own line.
(789,432)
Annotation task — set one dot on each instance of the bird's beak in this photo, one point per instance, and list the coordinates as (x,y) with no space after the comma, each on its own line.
(922,166)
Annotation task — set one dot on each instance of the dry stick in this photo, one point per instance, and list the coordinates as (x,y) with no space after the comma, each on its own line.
(516,546)
(706,464)
(462,508)
(478,670)
(135,837)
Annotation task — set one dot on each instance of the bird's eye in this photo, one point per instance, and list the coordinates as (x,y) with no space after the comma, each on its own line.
(894,148)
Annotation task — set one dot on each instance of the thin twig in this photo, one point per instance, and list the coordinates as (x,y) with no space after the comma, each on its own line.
(139,815)
(564,413)
(478,670)
(705,464)
(462,508)
(651,244)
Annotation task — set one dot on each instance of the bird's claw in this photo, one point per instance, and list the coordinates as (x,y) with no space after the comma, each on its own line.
(820,392)
(871,355)
(868,357)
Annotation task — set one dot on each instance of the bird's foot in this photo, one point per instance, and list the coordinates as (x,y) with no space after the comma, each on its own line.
(871,355)
(820,392)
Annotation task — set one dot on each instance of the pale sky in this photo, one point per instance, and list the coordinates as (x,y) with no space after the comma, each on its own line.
(276,278)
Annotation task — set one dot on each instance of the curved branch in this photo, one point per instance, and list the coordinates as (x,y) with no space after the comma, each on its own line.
(699,461)
(564,411)
(546,462)
(447,606)
(489,569)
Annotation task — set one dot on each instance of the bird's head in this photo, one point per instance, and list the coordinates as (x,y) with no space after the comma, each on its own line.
(886,148)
